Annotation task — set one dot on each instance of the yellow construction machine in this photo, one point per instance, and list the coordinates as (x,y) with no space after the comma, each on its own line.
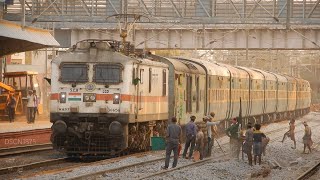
(18,83)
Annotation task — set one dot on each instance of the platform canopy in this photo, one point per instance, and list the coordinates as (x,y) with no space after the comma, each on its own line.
(14,38)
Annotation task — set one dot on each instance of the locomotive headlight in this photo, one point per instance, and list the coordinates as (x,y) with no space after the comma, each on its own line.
(63,97)
(92,97)
(89,97)
(116,98)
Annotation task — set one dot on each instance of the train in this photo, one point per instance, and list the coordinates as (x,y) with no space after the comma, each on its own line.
(107,99)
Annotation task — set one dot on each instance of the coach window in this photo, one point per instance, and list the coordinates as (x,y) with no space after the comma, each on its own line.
(164,83)
(198,93)
(108,73)
(133,75)
(150,79)
(141,76)
(188,93)
(179,79)
(74,73)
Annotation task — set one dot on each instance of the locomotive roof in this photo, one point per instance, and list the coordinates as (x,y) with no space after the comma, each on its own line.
(212,68)
(83,56)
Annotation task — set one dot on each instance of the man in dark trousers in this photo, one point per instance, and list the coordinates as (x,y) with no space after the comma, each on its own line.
(257,143)
(11,106)
(173,140)
(191,132)
(247,147)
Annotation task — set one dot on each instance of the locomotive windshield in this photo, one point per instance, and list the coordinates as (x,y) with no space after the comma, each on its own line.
(107,73)
(74,73)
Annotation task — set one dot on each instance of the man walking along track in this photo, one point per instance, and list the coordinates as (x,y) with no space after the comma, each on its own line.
(173,140)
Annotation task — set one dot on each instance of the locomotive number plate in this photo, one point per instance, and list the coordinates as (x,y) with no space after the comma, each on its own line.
(64,109)
(74,90)
(105,91)
(113,110)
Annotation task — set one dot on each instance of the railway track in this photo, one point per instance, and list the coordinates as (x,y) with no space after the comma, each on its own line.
(310,172)
(113,160)
(141,165)
(51,162)
(103,172)
(72,167)
(24,149)
(159,173)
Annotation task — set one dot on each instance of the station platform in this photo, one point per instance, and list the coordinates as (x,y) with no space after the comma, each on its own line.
(20,133)
(42,121)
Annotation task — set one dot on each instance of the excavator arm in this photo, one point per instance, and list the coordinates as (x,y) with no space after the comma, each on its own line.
(6,87)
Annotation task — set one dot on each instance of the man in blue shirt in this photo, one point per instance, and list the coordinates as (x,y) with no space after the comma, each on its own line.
(191,132)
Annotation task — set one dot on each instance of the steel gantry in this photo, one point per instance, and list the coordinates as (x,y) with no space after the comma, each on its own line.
(179,24)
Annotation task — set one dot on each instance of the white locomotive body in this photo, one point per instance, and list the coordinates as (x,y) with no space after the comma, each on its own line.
(97,92)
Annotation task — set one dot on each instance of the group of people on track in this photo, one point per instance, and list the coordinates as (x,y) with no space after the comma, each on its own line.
(199,137)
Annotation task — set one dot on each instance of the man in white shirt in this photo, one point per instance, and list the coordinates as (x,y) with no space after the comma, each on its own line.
(30,106)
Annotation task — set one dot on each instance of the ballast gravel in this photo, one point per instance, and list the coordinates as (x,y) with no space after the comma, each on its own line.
(291,161)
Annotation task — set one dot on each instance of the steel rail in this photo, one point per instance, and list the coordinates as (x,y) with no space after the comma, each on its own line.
(8,170)
(100,162)
(213,159)
(102,172)
(307,174)
(24,149)
(206,160)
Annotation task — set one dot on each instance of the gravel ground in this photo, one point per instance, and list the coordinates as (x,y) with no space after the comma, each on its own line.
(102,166)
(291,160)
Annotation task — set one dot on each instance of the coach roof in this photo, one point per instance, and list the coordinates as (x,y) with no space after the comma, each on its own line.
(186,66)
(212,68)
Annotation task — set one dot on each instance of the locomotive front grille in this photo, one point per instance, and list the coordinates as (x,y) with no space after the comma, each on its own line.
(94,145)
